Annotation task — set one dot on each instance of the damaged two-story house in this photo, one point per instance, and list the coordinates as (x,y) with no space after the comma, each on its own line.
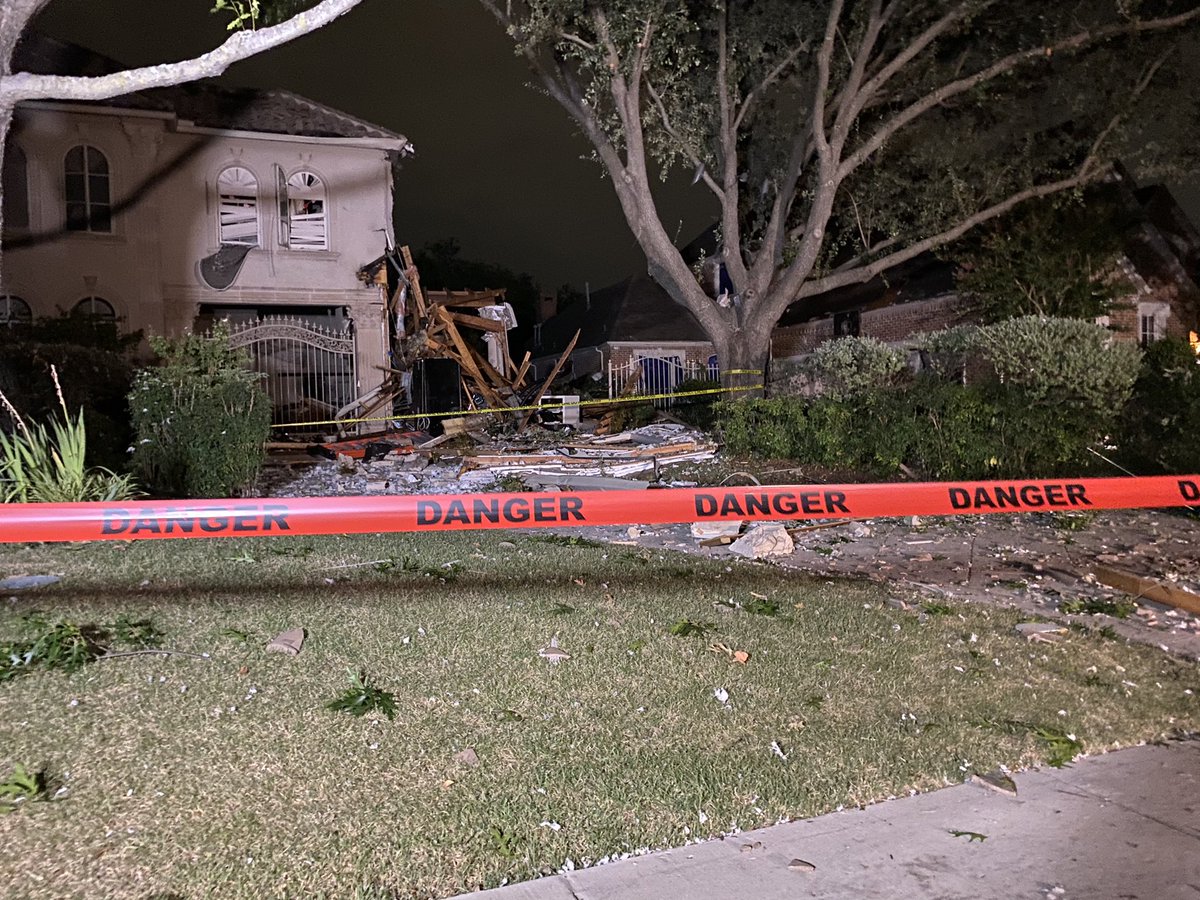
(172,208)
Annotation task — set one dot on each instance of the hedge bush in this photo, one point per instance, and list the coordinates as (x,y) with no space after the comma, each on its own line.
(200,418)
(853,366)
(936,428)
(1062,361)
(1161,426)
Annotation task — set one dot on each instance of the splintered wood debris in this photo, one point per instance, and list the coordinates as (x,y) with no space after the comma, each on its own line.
(581,458)
(453,325)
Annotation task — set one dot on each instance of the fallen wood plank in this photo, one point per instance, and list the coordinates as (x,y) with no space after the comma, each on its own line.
(434,442)
(519,379)
(477,322)
(584,482)
(1148,589)
(414,279)
(467,360)
(465,298)
(549,381)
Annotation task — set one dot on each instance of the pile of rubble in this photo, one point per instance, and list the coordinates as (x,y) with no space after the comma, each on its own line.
(417,464)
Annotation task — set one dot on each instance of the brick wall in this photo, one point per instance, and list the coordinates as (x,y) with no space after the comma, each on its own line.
(890,324)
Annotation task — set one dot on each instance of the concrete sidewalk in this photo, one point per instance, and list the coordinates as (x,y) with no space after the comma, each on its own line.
(1124,825)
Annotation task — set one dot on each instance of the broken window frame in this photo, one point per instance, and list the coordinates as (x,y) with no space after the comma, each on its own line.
(237,208)
(87,190)
(303,211)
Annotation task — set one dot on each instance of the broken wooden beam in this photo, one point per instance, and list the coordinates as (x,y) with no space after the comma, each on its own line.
(1148,589)
(549,381)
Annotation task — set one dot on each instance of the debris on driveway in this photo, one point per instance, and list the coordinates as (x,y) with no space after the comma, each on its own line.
(997,780)
(707,531)
(1137,586)
(770,539)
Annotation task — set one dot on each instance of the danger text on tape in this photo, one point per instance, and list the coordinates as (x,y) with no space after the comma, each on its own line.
(20,522)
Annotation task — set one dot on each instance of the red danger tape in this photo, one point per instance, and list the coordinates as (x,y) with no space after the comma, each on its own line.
(455,512)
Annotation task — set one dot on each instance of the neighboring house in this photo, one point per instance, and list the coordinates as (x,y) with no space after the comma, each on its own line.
(1161,262)
(634,326)
(631,329)
(171,208)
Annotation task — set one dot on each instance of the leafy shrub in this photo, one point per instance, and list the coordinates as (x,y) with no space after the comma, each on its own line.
(200,418)
(1062,361)
(851,366)
(47,464)
(1163,419)
(937,428)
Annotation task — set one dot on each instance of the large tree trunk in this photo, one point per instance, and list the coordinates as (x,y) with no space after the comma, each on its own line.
(743,356)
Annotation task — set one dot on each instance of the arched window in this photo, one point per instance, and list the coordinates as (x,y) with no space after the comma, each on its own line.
(95,308)
(237,189)
(14,310)
(302,213)
(16,188)
(87,190)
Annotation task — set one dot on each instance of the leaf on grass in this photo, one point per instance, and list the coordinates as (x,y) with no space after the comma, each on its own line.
(1061,748)
(761,606)
(969,835)
(23,786)
(503,839)
(362,697)
(687,628)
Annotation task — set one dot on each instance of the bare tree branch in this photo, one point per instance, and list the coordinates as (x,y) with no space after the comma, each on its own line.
(1138,90)
(1007,64)
(914,49)
(824,60)
(867,272)
(577,40)
(240,45)
(858,67)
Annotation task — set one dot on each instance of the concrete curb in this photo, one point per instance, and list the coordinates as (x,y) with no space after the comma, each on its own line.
(1122,825)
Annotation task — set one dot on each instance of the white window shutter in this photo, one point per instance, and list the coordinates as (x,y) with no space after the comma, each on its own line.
(285,212)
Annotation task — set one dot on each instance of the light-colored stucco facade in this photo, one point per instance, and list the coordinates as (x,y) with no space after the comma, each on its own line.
(166,208)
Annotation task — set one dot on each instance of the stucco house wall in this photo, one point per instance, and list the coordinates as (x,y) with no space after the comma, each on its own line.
(163,174)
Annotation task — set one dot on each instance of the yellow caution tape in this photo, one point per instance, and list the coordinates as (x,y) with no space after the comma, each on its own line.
(507,409)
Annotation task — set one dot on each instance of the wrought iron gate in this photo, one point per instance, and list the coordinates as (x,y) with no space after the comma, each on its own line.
(660,374)
(310,370)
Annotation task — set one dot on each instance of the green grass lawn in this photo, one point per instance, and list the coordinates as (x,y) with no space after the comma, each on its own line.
(229,777)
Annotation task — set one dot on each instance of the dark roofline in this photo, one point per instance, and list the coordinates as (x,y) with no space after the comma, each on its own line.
(200,103)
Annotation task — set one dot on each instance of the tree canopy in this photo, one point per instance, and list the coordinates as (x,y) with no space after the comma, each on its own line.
(843,137)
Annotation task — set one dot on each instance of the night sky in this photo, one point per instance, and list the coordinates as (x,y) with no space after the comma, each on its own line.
(499,166)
